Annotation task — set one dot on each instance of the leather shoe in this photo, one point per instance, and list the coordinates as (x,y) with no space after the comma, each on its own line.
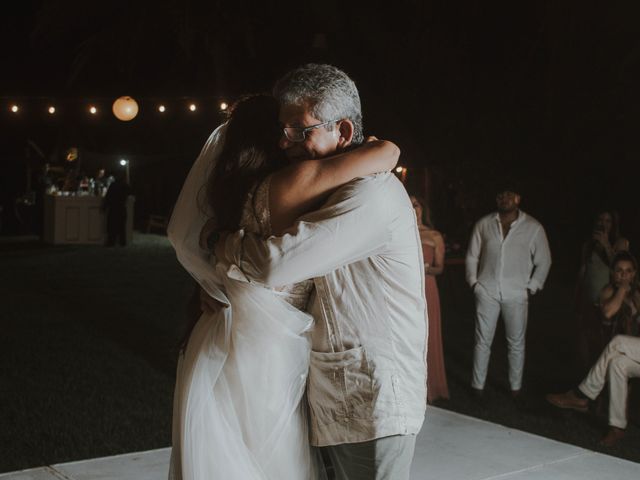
(568,400)
(477,393)
(613,436)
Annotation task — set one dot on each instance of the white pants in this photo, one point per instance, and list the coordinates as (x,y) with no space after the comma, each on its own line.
(514,313)
(619,362)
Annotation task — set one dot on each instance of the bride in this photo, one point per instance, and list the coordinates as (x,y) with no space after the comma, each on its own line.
(238,404)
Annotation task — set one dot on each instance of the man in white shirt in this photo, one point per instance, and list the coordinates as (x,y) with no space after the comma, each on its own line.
(508,259)
(366,386)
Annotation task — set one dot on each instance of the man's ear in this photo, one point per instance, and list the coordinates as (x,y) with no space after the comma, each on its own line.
(516,200)
(344,131)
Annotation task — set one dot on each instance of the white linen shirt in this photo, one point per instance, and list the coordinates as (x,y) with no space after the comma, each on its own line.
(367,376)
(507,268)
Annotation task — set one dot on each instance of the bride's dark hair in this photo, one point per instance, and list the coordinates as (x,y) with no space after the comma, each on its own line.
(250,152)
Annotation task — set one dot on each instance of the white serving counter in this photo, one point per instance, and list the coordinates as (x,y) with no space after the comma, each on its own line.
(79,220)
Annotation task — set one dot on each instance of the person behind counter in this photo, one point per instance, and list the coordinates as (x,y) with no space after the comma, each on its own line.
(115,207)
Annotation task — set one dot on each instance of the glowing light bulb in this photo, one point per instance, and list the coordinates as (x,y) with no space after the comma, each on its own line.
(192,107)
(224,106)
(93,110)
(15,108)
(161,109)
(125,108)
(399,169)
(123,162)
(52,110)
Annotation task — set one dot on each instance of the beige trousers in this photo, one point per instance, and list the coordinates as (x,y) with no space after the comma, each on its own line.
(619,362)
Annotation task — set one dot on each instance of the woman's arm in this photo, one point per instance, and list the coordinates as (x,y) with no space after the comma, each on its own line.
(304,186)
(603,239)
(611,300)
(437,267)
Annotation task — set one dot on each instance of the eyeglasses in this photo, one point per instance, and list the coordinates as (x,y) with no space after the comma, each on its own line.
(299,134)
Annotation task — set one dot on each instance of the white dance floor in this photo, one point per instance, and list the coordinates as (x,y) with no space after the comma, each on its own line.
(450,446)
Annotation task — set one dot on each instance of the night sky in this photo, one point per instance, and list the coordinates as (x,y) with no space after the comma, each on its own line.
(546,92)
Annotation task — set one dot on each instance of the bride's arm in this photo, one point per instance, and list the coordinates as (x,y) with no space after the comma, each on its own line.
(303,187)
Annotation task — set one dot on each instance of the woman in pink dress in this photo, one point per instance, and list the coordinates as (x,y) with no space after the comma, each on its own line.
(433,252)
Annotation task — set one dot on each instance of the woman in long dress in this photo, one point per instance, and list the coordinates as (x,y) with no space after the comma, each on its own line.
(433,253)
(238,410)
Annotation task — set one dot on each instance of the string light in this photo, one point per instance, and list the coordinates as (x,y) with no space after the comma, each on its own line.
(123,162)
(128,110)
(125,108)
(399,169)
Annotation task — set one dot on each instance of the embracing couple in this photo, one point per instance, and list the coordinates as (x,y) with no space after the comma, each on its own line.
(309,258)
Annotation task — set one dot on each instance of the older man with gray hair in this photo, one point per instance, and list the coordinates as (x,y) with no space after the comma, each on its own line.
(366,388)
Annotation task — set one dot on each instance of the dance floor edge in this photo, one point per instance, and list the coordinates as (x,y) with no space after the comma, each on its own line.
(450,446)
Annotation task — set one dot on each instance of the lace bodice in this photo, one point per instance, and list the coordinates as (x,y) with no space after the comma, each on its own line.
(256,219)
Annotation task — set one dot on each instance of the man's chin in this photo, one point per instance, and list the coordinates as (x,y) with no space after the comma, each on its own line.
(506,210)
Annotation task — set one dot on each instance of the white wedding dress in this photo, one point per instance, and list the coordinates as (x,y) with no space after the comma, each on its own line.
(239,409)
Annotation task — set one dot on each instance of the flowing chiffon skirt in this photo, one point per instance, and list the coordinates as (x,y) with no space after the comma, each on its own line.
(239,411)
(437,386)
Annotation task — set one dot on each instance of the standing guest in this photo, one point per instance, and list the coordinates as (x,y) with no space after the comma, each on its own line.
(115,206)
(433,254)
(508,260)
(597,253)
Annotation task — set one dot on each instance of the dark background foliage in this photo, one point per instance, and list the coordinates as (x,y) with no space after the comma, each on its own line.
(542,91)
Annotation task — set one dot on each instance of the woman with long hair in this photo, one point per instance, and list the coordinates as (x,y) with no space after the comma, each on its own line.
(597,253)
(620,299)
(433,253)
(238,410)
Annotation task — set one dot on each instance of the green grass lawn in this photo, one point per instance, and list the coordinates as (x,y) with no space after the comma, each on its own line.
(89,345)
(88,352)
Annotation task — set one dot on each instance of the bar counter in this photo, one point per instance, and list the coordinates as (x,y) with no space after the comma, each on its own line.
(79,220)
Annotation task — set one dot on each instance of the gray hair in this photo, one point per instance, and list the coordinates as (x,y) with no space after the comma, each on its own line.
(326,90)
